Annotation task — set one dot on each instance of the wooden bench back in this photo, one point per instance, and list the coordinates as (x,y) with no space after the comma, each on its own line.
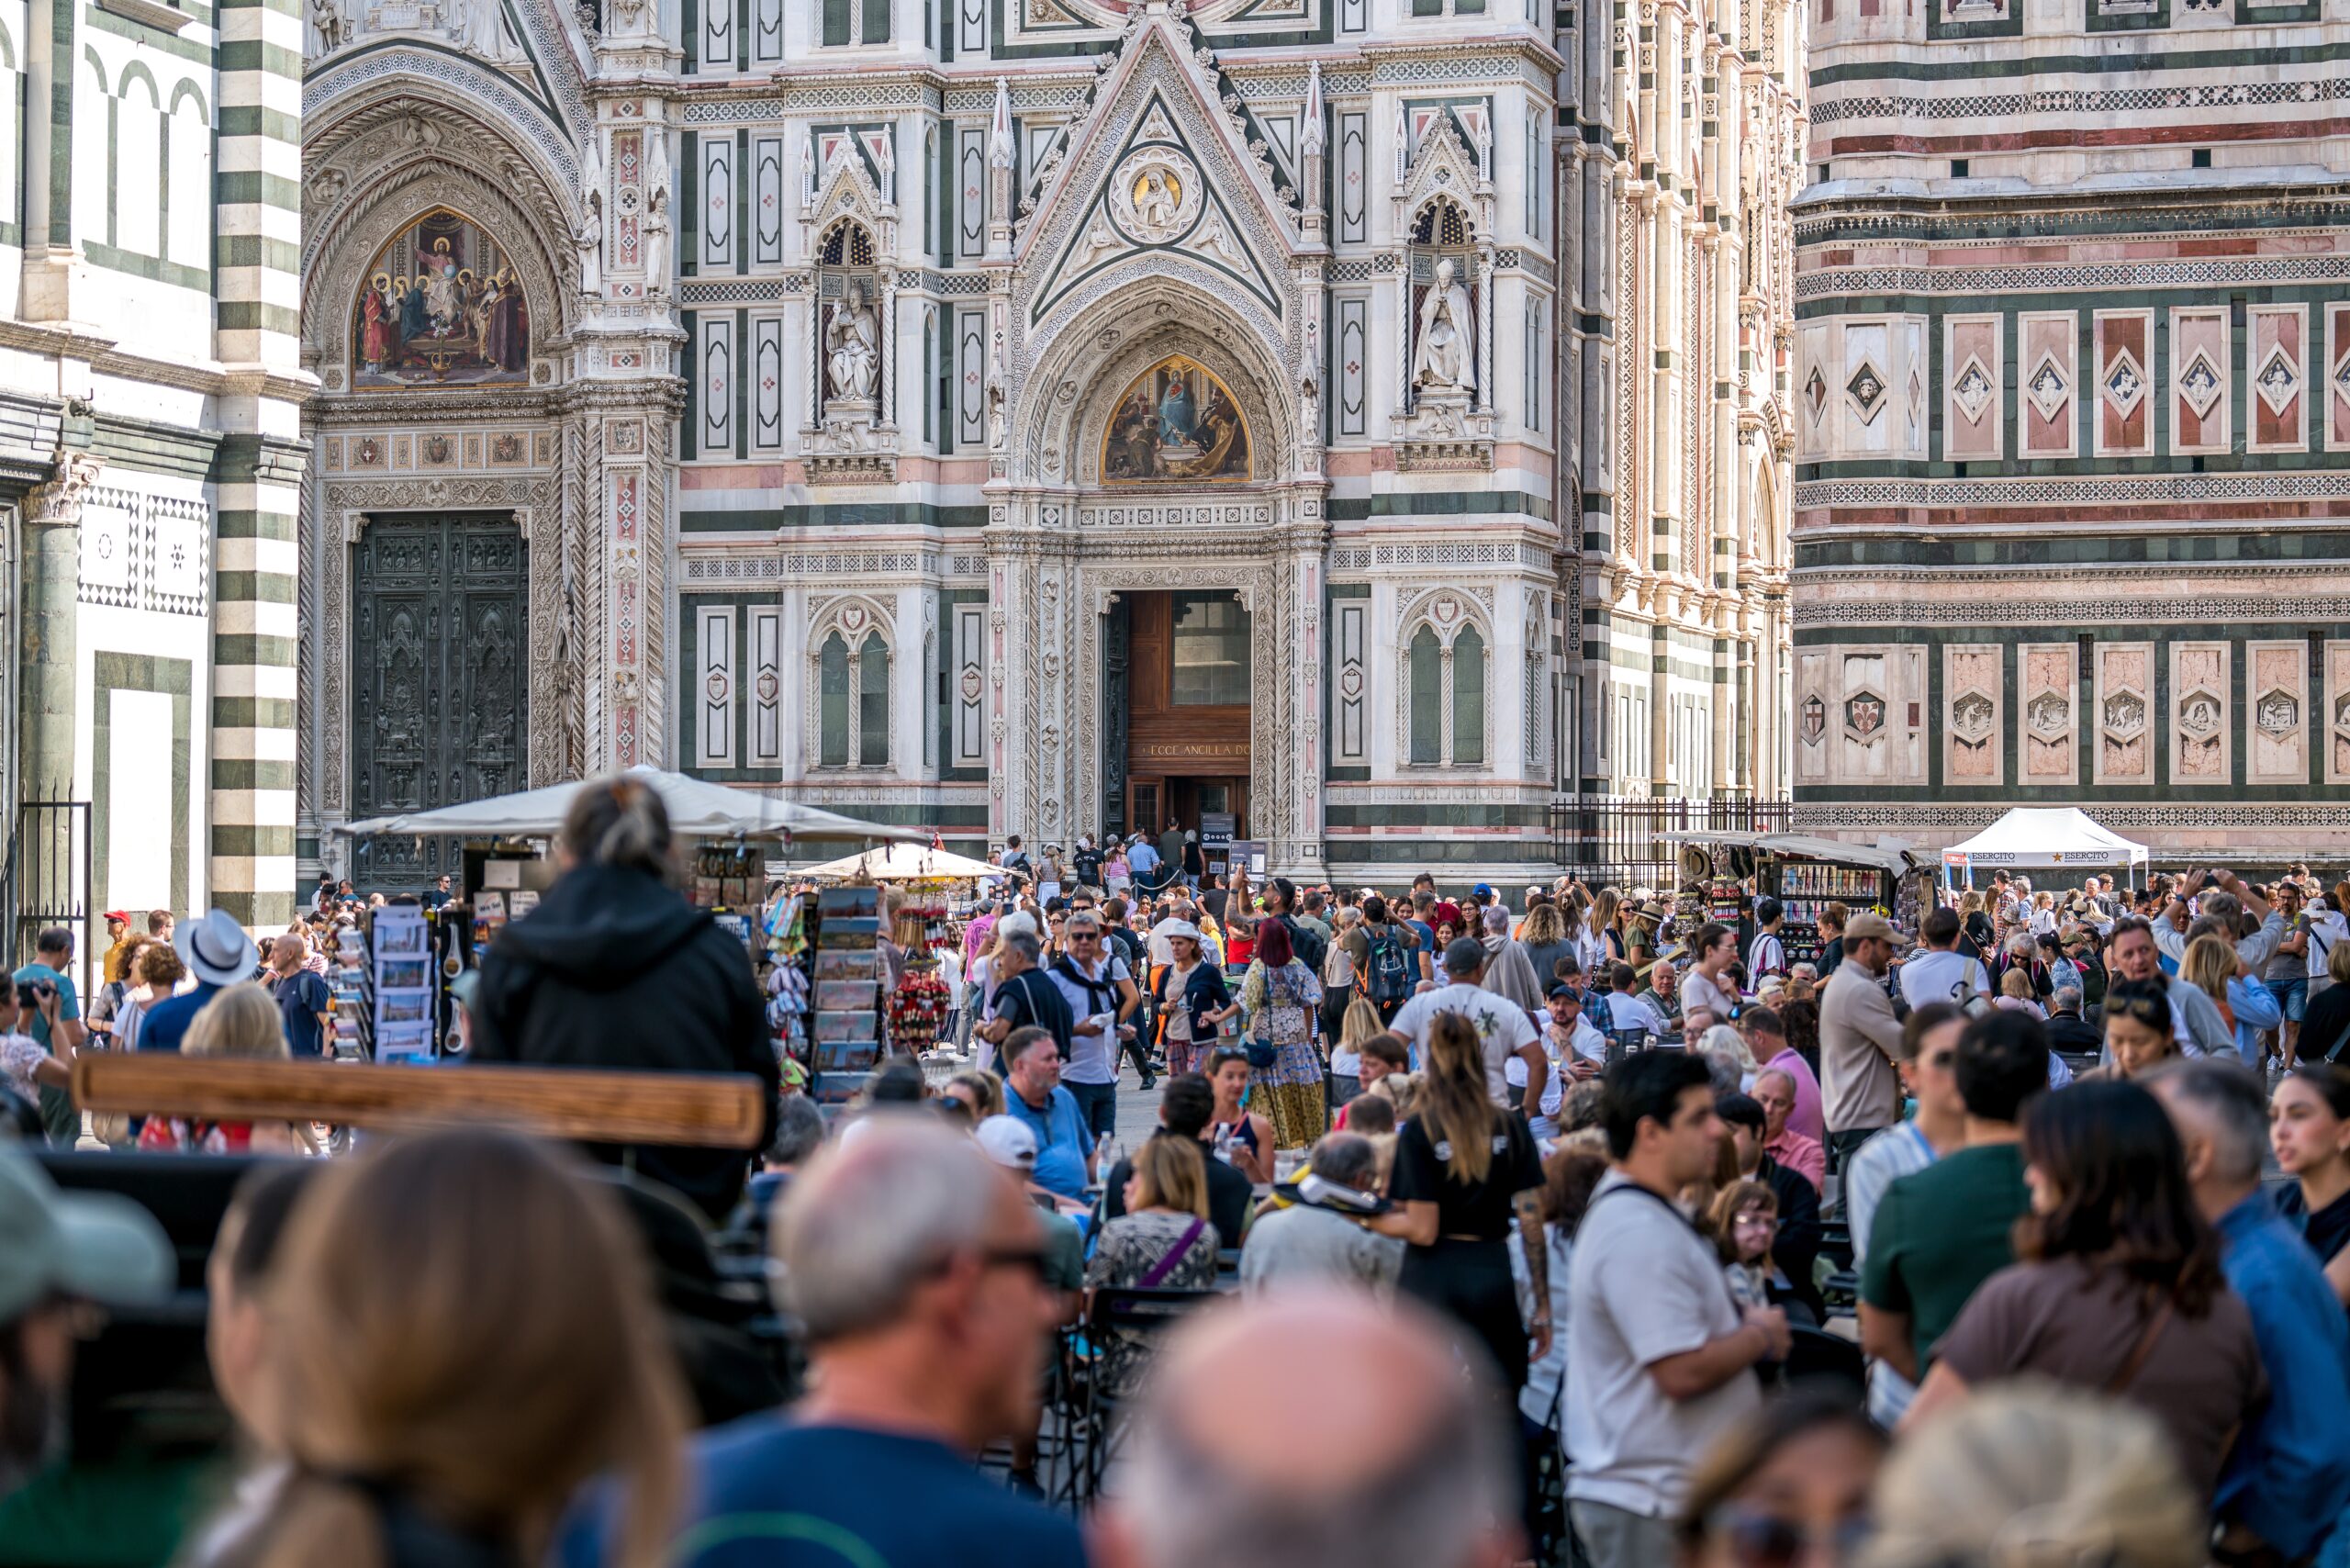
(703,1110)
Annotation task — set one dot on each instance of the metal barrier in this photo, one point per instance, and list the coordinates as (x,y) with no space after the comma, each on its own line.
(1626,841)
(48,880)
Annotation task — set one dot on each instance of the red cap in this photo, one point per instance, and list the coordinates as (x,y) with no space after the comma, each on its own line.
(119,914)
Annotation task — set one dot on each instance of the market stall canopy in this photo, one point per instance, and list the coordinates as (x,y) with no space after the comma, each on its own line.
(697,809)
(1891,855)
(2046,835)
(905,863)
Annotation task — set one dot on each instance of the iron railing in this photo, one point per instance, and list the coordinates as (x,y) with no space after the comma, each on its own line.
(1627,842)
(48,880)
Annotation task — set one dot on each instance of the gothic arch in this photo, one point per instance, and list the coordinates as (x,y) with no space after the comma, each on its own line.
(352,206)
(1084,359)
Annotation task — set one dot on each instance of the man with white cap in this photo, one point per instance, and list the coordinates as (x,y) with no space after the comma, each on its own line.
(57,1250)
(219,954)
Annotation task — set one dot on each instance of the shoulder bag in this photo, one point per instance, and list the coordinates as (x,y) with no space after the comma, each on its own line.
(1175,1255)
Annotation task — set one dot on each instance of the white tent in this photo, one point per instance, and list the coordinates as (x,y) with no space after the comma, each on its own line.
(697,809)
(2045,836)
(906,863)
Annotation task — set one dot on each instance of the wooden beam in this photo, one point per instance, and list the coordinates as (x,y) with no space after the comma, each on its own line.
(705,1110)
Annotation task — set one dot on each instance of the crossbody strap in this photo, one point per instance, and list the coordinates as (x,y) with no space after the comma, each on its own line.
(2120,1380)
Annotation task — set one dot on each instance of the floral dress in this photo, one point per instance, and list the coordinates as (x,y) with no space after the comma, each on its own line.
(1132,1248)
(1281,1004)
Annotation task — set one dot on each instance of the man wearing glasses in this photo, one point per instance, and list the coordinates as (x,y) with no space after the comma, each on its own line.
(1102,996)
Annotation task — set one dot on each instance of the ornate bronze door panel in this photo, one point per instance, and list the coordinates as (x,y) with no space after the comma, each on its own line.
(438,709)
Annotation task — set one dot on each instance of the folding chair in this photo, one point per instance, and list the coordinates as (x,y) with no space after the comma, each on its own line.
(1107,1392)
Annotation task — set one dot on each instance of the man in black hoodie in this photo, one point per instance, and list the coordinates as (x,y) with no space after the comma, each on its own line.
(615,970)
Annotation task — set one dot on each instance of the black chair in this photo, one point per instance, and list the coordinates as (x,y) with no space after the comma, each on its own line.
(1827,1364)
(1106,1380)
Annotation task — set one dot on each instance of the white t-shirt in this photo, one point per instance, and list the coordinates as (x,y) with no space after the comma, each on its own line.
(1767,956)
(1502,1029)
(1642,1286)
(1588,1042)
(2326,928)
(1093,1058)
(1629,1010)
(1936,974)
(1698,991)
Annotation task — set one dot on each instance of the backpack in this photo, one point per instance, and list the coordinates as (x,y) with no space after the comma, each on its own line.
(1305,942)
(1391,976)
(1337,968)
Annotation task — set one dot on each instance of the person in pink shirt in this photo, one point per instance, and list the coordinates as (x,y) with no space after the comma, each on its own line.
(1766,1042)
(974,935)
(1775,1091)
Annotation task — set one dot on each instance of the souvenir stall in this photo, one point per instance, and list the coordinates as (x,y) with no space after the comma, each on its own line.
(728,834)
(1722,875)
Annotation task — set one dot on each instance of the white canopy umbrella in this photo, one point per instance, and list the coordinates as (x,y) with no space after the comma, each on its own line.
(697,809)
(2046,837)
(906,863)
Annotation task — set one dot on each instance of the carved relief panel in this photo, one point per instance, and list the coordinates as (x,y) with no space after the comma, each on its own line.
(1972,685)
(2047,692)
(2275,745)
(1876,717)
(2124,695)
(1811,716)
(2199,690)
(2337,712)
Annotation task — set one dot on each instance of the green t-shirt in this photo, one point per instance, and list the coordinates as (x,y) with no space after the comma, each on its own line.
(1941,1232)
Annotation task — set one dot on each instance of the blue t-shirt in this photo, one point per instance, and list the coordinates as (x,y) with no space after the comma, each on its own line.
(1427,934)
(1061,1142)
(68,1005)
(301,997)
(768,1492)
(165,1023)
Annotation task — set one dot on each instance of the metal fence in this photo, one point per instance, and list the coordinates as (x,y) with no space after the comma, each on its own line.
(1627,841)
(48,878)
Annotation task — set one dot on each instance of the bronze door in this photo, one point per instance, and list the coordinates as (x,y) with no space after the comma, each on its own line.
(439,703)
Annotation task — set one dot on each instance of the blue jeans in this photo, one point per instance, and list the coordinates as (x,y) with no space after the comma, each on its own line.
(1098,1104)
(2293,996)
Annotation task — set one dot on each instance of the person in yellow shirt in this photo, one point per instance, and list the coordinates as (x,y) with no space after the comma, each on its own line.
(116,957)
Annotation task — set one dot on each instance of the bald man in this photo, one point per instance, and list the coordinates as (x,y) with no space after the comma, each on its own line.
(1267,1446)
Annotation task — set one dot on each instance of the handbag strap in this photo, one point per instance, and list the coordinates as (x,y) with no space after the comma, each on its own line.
(2120,1380)
(1166,1265)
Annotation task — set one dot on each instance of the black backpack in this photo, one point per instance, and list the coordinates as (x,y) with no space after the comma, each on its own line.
(1306,943)
(1391,973)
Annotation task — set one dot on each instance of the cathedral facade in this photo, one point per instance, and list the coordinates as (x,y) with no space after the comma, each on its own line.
(2073,399)
(1363,420)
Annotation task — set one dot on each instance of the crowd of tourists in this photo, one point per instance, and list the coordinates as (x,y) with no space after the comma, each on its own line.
(1479,1229)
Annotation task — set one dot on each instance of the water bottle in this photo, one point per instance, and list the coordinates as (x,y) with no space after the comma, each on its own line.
(1107,1152)
(1223,1142)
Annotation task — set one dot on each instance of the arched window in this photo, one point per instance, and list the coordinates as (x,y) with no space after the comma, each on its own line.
(831,682)
(1427,697)
(852,662)
(1445,680)
(1468,697)
(873,702)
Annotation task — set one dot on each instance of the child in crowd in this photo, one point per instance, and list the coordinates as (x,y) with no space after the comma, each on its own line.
(1745,1221)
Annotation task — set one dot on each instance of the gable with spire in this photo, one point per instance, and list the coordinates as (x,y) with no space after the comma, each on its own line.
(1158,166)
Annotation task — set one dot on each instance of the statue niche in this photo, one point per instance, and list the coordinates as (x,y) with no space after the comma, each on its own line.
(849,333)
(1176,421)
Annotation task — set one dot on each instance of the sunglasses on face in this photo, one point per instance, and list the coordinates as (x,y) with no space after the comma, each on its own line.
(1761,1541)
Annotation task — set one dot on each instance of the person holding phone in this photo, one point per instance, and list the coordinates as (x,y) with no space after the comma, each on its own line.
(55,1017)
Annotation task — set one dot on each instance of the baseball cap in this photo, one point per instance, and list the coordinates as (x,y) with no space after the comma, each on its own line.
(121,915)
(1484,889)
(1007,1140)
(1563,989)
(99,1246)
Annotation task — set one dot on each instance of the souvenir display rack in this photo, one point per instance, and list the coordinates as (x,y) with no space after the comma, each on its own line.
(844,1023)
(919,1005)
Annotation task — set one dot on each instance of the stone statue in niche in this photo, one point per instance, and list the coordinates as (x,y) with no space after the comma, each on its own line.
(656,212)
(330,28)
(478,27)
(852,349)
(1443,361)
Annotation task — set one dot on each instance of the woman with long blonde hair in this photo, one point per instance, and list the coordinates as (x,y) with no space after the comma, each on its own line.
(241,1023)
(465,1334)
(1465,1170)
(1605,915)
(2210,965)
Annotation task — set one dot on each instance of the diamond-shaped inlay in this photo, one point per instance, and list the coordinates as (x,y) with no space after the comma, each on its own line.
(1974,390)
(2278,712)
(1864,713)
(2049,715)
(2279,380)
(2125,714)
(1815,716)
(1815,393)
(716,686)
(2341,712)
(2342,375)
(2200,383)
(1970,718)
(2048,387)
(769,686)
(2125,384)
(2199,714)
(1866,389)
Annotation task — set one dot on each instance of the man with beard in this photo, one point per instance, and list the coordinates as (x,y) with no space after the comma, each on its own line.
(59,1250)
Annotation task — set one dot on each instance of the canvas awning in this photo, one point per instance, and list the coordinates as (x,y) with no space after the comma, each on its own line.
(2046,837)
(697,809)
(905,863)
